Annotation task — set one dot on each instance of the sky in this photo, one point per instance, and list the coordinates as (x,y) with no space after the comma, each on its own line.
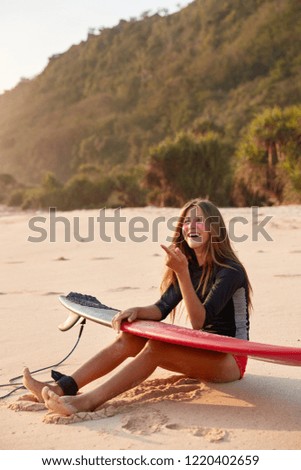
(33,30)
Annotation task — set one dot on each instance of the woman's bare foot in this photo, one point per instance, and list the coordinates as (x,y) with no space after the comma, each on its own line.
(64,405)
(36,387)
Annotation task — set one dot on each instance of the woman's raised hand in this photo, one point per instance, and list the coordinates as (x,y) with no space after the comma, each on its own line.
(176,260)
(131,314)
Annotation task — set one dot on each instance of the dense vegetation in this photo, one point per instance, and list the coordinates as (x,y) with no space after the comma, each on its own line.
(160,109)
(269,158)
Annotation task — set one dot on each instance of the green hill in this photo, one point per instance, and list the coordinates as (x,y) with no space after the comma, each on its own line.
(109,99)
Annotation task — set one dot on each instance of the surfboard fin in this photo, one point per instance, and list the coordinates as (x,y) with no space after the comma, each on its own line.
(72,320)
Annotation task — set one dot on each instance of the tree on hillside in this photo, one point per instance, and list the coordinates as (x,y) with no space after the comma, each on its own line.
(269,158)
(8,186)
(187,167)
(128,188)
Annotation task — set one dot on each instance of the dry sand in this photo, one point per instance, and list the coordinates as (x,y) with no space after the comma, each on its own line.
(262,411)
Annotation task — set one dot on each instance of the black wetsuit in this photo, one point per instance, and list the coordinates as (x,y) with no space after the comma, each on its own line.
(225,301)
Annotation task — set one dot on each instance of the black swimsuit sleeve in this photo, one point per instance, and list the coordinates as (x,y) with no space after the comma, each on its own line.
(169,300)
(226,283)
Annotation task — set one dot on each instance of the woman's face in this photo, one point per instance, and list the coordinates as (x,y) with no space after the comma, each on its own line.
(193,229)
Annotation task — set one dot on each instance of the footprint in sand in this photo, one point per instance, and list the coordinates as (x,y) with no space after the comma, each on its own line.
(287,275)
(121,289)
(27,403)
(210,434)
(14,262)
(174,426)
(53,293)
(176,388)
(144,424)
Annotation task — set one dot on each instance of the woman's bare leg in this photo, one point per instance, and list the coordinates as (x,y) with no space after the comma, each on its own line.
(103,362)
(126,345)
(206,365)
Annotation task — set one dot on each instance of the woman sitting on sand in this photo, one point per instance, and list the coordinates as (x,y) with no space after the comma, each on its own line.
(204,272)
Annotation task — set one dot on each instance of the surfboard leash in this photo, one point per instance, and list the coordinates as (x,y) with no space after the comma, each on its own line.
(12,381)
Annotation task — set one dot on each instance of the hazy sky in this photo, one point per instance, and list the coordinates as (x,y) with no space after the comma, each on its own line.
(33,30)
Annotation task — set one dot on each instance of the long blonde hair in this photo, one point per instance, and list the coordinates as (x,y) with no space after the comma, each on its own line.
(218,246)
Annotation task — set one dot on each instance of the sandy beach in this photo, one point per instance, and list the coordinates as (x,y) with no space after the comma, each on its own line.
(40,260)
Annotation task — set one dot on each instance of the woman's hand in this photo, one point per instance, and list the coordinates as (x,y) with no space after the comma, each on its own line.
(176,260)
(131,314)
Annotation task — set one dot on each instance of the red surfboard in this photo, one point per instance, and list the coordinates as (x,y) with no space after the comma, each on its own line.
(96,311)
